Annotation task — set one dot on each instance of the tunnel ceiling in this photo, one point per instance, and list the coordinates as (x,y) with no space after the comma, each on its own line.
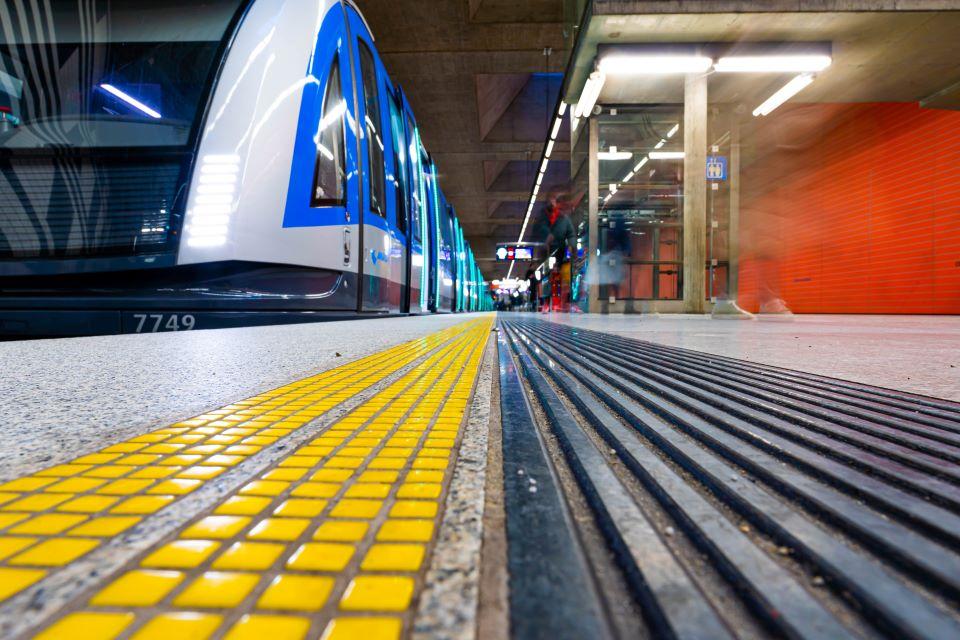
(483,91)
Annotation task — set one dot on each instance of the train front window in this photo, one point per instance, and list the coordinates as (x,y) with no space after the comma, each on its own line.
(329,181)
(107,73)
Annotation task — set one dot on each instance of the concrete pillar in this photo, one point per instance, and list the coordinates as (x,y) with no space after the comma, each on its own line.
(733,233)
(593,227)
(694,192)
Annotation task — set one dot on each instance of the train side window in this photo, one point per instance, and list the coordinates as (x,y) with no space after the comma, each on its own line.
(368,70)
(330,176)
(400,165)
(416,202)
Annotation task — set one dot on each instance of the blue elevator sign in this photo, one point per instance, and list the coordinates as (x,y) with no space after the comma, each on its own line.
(716,167)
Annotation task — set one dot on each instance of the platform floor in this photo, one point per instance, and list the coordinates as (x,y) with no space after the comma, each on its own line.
(482,477)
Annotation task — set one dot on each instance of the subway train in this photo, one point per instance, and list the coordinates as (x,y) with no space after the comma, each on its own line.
(181,164)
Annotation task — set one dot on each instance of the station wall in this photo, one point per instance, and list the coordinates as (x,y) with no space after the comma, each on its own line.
(859,212)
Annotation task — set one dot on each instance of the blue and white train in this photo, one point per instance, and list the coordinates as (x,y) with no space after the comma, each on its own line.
(173,164)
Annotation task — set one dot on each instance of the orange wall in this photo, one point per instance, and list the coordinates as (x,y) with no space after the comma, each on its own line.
(863,216)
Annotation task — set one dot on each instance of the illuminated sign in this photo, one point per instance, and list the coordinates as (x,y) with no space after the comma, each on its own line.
(507,252)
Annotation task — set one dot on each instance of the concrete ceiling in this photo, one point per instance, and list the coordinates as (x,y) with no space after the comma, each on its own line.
(483,92)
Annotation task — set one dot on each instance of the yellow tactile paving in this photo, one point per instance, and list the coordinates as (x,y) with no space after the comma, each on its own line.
(332,541)
(102,494)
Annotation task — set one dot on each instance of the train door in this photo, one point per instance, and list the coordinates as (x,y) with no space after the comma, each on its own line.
(380,259)
(400,184)
(418,208)
(433,232)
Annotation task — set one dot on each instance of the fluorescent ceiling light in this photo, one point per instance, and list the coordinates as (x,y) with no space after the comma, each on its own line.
(666,155)
(613,154)
(673,131)
(772,64)
(130,100)
(641,163)
(563,109)
(556,128)
(549,149)
(660,144)
(786,92)
(543,167)
(654,64)
(629,176)
(590,94)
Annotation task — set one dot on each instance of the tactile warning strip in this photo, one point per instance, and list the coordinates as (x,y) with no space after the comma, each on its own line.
(333,539)
(57,515)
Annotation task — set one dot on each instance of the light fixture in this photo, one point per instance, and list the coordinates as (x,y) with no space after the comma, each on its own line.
(641,163)
(130,100)
(773,64)
(562,109)
(543,167)
(628,64)
(549,149)
(590,94)
(660,144)
(785,92)
(666,155)
(613,187)
(629,176)
(614,154)
(556,128)
(673,131)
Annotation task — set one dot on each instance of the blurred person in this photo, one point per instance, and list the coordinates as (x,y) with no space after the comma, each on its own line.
(560,238)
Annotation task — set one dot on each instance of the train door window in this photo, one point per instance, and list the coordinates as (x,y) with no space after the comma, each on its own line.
(368,70)
(330,177)
(417,201)
(399,164)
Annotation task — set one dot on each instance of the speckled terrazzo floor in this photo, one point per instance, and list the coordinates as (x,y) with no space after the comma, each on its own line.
(919,354)
(63,398)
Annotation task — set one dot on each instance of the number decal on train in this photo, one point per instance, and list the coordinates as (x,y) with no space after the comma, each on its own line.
(156,322)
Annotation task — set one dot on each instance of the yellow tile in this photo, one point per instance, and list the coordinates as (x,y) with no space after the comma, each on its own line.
(259,440)
(181,554)
(243,506)
(304,462)
(179,626)
(420,490)
(216,527)
(175,486)
(151,437)
(223,439)
(368,490)
(87,626)
(142,504)
(344,462)
(13,581)
(55,552)
(300,508)
(347,508)
(204,449)
(10,545)
(331,475)
(396,452)
(264,488)
(278,529)
(257,627)
(366,628)
(180,460)
(241,450)
(7,519)
(423,475)
(154,472)
(27,484)
(252,556)
(37,502)
(217,589)
(430,463)
(166,447)
(394,557)
(96,458)
(138,459)
(377,593)
(124,487)
(201,472)
(296,593)
(108,471)
(413,509)
(75,485)
(405,531)
(64,470)
(186,439)
(138,588)
(105,526)
(321,556)
(226,461)
(284,474)
(315,490)
(381,462)
(378,476)
(48,524)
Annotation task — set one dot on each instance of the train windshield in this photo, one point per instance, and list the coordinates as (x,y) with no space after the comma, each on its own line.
(106,73)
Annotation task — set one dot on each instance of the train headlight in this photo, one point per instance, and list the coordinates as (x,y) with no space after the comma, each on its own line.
(213,203)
